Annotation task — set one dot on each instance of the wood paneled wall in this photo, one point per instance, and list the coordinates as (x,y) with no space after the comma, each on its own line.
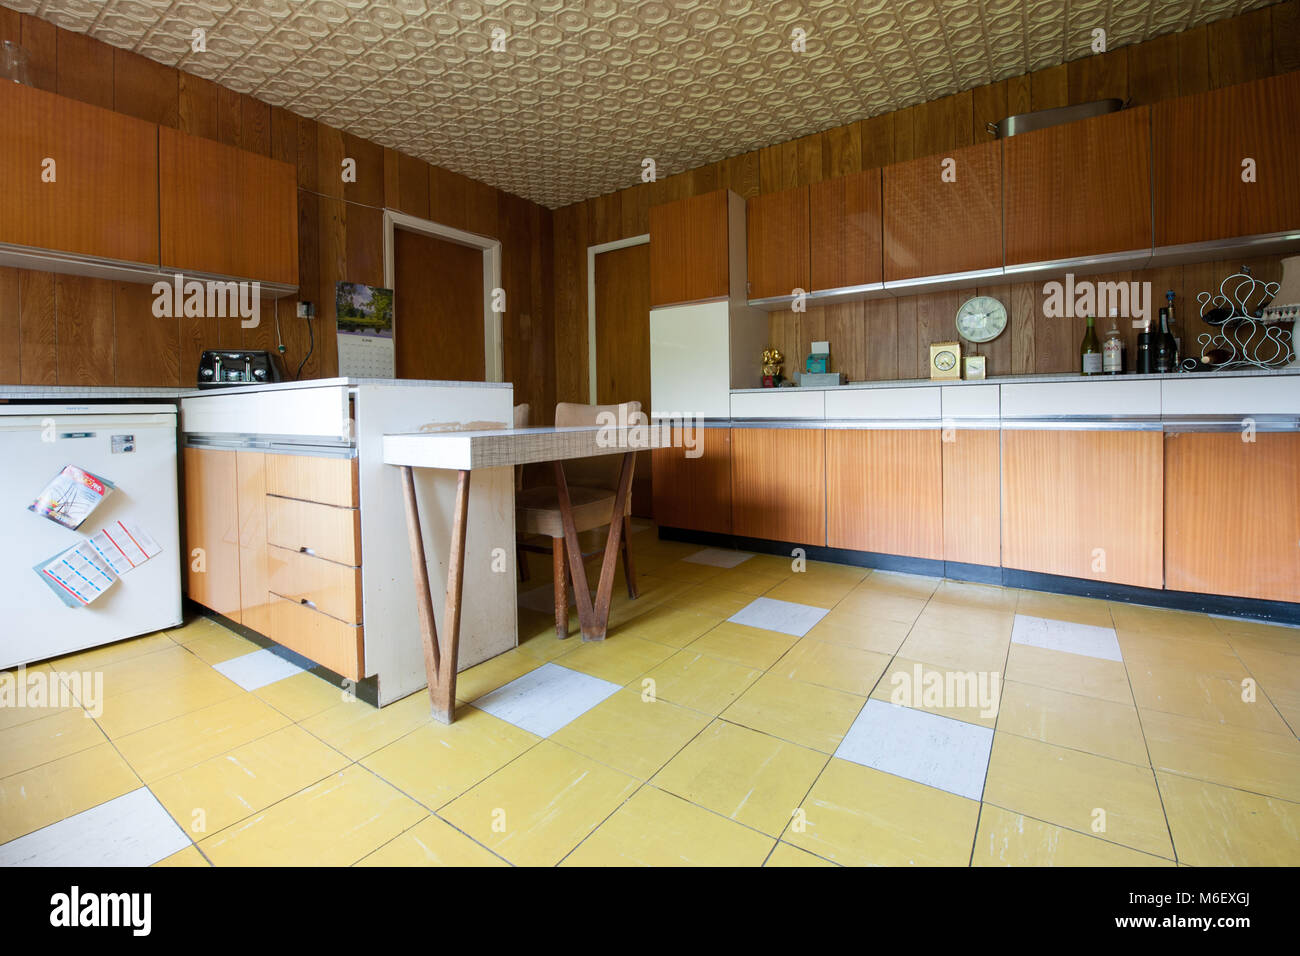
(76,331)
(890,339)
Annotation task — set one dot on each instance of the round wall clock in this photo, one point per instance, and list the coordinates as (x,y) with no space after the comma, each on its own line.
(981,319)
(944,360)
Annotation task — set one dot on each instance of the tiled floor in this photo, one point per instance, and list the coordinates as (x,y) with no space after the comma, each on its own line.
(740,713)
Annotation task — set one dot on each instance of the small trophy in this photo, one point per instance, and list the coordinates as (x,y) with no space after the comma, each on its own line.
(772,359)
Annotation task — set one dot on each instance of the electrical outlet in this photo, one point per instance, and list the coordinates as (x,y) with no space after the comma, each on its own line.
(306,310)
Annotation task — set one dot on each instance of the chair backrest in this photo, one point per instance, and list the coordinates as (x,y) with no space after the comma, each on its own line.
(603,470)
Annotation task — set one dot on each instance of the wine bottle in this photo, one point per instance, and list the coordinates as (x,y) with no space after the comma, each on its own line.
(1173,329)
(1112,350)
(1089,351)
(1163,347)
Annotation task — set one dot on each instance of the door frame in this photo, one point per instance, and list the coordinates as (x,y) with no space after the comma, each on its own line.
(592,252)
(493,359)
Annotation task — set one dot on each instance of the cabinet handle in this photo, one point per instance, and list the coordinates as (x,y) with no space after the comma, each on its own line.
(306,550)
(307,603)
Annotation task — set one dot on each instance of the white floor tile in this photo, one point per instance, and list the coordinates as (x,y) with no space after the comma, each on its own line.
(251,671)
(718,557)
(783,616)
(545,699)
(1085,639)
(130,830)
(931,749)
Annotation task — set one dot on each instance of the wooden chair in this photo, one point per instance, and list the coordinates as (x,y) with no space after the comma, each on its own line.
(593,485)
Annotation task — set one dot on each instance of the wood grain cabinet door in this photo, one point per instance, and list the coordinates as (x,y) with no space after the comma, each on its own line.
(1232,515)
(688,249)
(778,484)
(884,491)
(845,230)
(100,195)
(1084,504)
(694,492)
(1201,146)
(972,484)
(777,243)
(254,593)
(1080,189)
(936,225)
(212,529)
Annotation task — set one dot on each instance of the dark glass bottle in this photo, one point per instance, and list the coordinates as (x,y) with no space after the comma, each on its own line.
(1142,360)
(1163,347)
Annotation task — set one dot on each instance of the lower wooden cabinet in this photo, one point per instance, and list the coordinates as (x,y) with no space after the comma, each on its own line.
(1232,514)
(1085,504)
(250,477)
(884,491)
(694,492)
(212,538)
(778,484)
(972,486)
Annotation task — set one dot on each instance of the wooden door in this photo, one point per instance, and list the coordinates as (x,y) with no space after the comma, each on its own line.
(100,195)
(778,484)
(692,488)
(688,249)
(941,217)
(437,309)
(845,231)
(777,243)
(250,493)
(1200,145)
(884,491)
(212,532)
(1079,189)
(622,284)
(972,479)
(1232,515)
(1084,504)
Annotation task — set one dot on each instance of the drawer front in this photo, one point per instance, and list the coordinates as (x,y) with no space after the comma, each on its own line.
(333,589)
(328,481)
(318,636)
(325,531)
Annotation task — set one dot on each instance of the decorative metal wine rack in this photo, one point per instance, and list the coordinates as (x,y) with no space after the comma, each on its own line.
(1249,340)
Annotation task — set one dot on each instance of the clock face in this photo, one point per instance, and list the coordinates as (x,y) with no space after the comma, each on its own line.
(944,361)
(981,319)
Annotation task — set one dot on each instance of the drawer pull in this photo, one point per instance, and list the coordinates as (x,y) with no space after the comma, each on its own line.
(306,550)
(309,603)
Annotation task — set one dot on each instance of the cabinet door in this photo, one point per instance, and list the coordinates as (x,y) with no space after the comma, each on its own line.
(100,196)
(254,596)
(694,492)
(1232,513)
(844,223)
(778,489)
(1084,504)
(777,225)
(212,529)
(884,491)
(1080,189)
(937,224)
(1199,145)
(972,473)
(688,249)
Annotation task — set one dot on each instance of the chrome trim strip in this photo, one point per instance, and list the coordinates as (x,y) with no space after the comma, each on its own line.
(1258,245)
(317,447)
(1082,265)
(1078,423)
(949,280)
(880,424)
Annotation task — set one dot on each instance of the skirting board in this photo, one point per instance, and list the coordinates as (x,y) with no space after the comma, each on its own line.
(1280,612)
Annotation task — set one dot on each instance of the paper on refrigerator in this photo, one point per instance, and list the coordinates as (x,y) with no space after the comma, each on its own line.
(78,575)
(124,545)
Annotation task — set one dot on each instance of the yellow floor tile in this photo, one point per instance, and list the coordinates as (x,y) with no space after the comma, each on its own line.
(986,622)
(539,807)
(190,856)
(1232,756)
(1168,650)
(1065,607)
(225,789)
(498,671)
(707,599)
(1073,673)
(664,624)
(1067,788)
(1013,839)
(874,604)
(543,643)
(1096,726)
(1187,625)
(812,590)
(787,855)
(1275,671)
(98,658)
(188,740)
(902,677)
(302,696)
(220,646)
(700,682)
(156,703)
(619,660)
(747,646)
(437,762)
(39,741)
(1282,638)
(849,628)
(691,572)
(334,822)
(195,628)
(162,665)
(432,842)
(805,714)
(969,594)
(753,581)
(48,793)
(632,734)
(1219,826)
(857,816)
(961,650)
(657,829)
(894,582)
(37,693)
(1218,700)
(356,729)
(832,665)
(750,777)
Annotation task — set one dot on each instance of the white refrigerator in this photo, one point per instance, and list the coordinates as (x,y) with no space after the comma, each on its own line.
(133,447)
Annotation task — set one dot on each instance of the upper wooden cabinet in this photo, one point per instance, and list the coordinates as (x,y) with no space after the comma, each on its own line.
(226,211)
(689,243)
(937,225)
(1202,146)
(844,225)
(77,178)
(777,243)
(1080,189)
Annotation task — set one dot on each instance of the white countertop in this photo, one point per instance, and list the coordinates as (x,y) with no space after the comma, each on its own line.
(1023,379)
(108,393)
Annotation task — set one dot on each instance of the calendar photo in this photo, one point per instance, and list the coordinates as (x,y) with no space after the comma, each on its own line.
(365,331)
